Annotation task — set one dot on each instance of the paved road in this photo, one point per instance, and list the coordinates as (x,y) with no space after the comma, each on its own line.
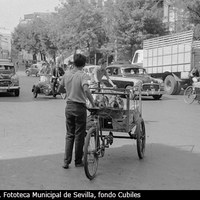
(32,133)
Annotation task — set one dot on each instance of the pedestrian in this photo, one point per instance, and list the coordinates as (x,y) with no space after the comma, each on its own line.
(76,84)
(194,72)
(45,75)
(17,66)
(45,69)
(99,72)
(26,65)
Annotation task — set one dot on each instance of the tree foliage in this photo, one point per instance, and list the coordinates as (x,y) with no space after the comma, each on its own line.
(193,9)
(119,26)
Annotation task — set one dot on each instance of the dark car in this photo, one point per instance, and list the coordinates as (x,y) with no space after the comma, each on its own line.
(32,70)
(9,80)
(128,75)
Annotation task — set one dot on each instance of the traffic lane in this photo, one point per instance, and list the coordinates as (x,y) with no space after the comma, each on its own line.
(171,121)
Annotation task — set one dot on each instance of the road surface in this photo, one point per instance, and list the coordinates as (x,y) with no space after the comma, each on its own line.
(32,133)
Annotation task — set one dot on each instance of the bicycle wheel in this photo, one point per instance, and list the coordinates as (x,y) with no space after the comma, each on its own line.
(189,95)
(90,154)
(141,139)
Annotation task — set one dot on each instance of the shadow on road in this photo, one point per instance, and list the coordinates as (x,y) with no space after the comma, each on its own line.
(9,98)
(163,168)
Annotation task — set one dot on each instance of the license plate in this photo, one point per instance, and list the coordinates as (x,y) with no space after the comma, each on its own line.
(1,90)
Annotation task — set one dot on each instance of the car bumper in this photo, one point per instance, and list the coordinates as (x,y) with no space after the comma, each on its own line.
(151,92)
(8,89)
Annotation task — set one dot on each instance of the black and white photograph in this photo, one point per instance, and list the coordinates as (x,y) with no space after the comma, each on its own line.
(99,95)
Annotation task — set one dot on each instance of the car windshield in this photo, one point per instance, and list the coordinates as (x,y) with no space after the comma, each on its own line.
(135,71)
(7,69)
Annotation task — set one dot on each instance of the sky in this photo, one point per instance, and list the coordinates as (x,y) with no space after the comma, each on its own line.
(11,11)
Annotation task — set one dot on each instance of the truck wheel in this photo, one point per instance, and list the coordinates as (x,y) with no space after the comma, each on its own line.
(178,90)
(170,85)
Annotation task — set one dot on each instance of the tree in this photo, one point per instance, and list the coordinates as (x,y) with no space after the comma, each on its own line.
(193,9)
(117,28)
(35,38)
(130,22)
(24,37)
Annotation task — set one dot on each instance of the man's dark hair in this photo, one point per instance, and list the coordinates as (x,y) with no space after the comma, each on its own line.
(79,60)
(101,61)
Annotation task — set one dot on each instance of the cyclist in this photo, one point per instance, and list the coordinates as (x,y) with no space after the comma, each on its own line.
(57,72)
(195,75)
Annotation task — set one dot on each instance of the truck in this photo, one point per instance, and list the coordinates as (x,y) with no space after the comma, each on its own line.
(171,58)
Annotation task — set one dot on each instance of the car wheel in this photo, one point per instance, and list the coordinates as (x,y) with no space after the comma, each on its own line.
(34,90)
(16,93)
(157,97)
(27,73)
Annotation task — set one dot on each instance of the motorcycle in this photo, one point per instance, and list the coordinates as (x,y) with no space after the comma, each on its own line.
(48,86)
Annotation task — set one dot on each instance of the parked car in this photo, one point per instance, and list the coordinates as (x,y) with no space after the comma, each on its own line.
(32,70)
(9,80)
(127,76)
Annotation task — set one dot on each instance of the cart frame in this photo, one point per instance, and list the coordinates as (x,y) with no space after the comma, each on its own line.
(124,120)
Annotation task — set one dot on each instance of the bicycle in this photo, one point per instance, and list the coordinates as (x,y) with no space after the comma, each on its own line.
(191,93)
(112,120)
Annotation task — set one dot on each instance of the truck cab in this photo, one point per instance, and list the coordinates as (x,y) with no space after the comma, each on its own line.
(138,57)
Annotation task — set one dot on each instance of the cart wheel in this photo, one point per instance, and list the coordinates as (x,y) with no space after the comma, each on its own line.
(189,95)
(141,139)
(90,154)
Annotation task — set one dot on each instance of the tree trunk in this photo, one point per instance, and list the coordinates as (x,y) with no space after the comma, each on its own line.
(95,58)
(35,56)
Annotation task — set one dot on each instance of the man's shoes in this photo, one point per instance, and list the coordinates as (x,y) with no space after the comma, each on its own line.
(79,165)
(65,166)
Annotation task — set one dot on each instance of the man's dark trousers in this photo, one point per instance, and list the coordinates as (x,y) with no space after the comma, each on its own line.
(76,115)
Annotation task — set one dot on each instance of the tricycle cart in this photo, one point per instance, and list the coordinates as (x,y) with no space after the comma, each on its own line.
(107,119)
(45,86)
